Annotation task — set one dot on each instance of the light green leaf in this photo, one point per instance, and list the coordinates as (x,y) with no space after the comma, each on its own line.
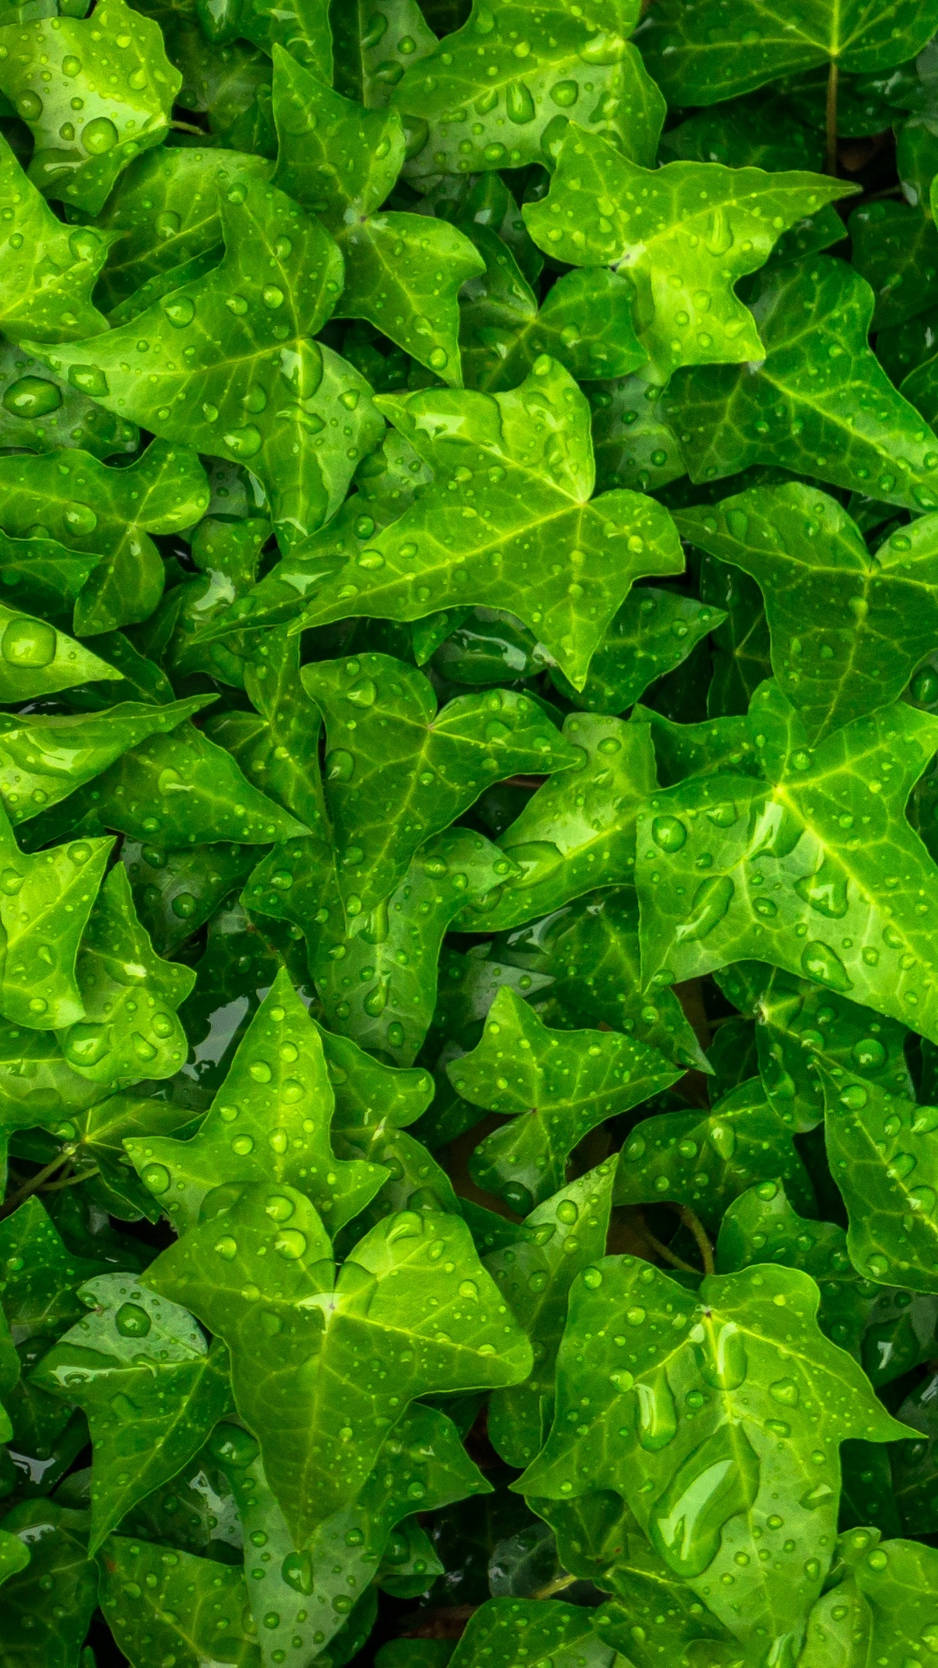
(653,632)
(558,1240)
(36,659)
(848,629)
(814,400)
(737,1490)
(110,513)
(300,27)
(577,832)
(225,362)
(846,891)
(45,903)
(555,1636)
(38,413)
(45,756)
(513,481)
(48,269)
(555,1086)
(269,1120)
(403,272)
(722,48)
(397,771)
(706,1157)
(374,42)
(413,1311)
(114,70)
(129,1028)
(501,91)
(683,234)
(141,1371)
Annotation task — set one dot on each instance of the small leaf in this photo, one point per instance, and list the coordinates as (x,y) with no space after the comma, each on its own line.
(45,903)
(34,1627)
(653,632)
(36,659)
(555,1636)
(49,269)
(188,1608)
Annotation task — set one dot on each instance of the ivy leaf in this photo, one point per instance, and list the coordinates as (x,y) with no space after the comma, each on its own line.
(403,272)
(652,633)
(116,66)
(374,43)
(857,1314)
(555,1636)
(56,1540)
(151,1391)
(180,790)
(696,57)
(683,234)
(225,362)
(766,1443)
(38,413)
(177,892)
(413,1311)
(45,902)
(577,832)
(165,212)
(827,411)
(513,478)
(173,1602)
(880,1158)
(397,771)
(559,1239)
(848,629)
(269,1120)
(49,269)
(36,659)
(706,1157)
(300,1599)
(129,996)
(110,513)
(556,1086)
(500,91)
(824,846)
(585,322)
(377,974)
(45,756)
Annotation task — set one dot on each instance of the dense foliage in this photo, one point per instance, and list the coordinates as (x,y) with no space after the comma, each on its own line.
(469,834)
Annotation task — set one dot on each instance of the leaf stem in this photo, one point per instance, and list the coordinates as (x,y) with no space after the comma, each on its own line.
(189,127)
(38,1180)
(559,1584)
(73,1181)
(661,1250)
(693,1223)
(833,76)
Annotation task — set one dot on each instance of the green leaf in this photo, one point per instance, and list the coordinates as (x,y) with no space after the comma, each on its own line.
(300,27)
(706,1157)
(513,481)
(46,756)
(651,634)
(39,1279)
(559,1239)
(270,1120)
(585,322)
(114,70)
(887,1329)
(230,367)
(129,995)
(403,272)
(38,413)
(740,1484)
(501,92)
(814,401)
(194,1610)
(374,42)
(880,1157)
(726,47)
(683,234)
(398,771)
(45,903)
(49,269)
(556,1086)
(825,847)
(111,513)
(555,1636)
(847,629)
(141,1371)
(577,832)
(181,790)
(36,659)
(300,1599)
(37,1627)
(376,974)
(413,1311)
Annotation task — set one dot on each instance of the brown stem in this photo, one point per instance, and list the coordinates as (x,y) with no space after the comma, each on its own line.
(694,1225)
(833,75)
